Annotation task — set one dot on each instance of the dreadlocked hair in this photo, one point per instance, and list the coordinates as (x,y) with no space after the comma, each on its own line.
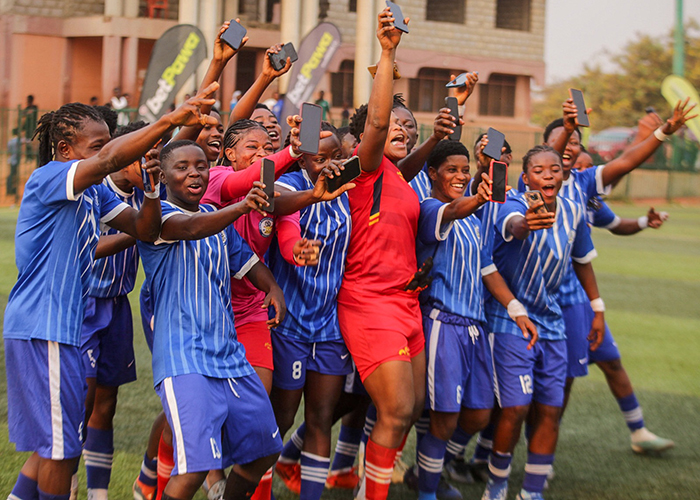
(357,122)
(62,125)
(325,127)
(540,148)
(110,117)
(127,129)
(235,132)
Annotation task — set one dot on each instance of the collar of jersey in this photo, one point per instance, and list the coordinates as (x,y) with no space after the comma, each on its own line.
(184,211)
(117,190)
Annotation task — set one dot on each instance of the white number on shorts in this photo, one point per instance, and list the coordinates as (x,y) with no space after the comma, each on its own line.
(459,394)
(526,384)
(296,370)
(214,449)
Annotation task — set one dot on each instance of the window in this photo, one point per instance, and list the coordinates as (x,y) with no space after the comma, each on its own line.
(446,11)
(352,6)
(342,84)
(497,97)
(428,92)
(513,14)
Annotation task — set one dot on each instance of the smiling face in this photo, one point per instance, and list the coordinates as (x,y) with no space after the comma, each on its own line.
(451,178)
(573,149)
(186,175)
(268,120)
(395,147)
(253,145)
(211,138)
(545,174)
(409,124)
(88,141)
(328,149)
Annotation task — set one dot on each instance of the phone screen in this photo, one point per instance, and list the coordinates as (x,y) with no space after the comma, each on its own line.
(582,116)
(399,22)
(495,146)
(460,81)
(310,128)
(499,177)
(267,177)
(351,171)
(451,102)
(234,35)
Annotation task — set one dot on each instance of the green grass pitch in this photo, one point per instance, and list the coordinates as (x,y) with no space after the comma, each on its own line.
(651,286)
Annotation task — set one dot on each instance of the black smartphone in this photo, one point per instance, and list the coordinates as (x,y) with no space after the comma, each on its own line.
(498,172)
(310,128)
(582,115)
(494,148)
(351,171)
(534,197)
(234,35)
(146,177)
(279,60)
(451,102)
(267,177)
(399,22)
(460,81)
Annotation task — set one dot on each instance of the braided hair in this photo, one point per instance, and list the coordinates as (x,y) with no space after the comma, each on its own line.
(357,121)
(540,148)
(235,132)
(62,125)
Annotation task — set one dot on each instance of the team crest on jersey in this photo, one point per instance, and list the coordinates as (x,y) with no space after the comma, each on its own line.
(265,227)
(572,236)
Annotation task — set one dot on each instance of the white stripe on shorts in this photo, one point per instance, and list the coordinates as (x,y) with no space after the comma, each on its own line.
(434,337)
(177,428)
(496,391)
(57,451)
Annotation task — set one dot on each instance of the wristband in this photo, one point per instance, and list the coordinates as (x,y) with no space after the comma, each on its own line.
(515,309)
(598,305)
(661,135)
(293,154)
(643,222)
(460,109)
(155,194)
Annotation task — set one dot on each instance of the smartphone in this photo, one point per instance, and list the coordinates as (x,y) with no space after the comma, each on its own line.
(310,129)
(148,184)
(494,148)
(582,116)
(399,22)
(460,81)
(267,177)
(533,198)
(234,35)
(451,102)
(351,171)
(498,172)
(650,109)
(279,60)
(373,71)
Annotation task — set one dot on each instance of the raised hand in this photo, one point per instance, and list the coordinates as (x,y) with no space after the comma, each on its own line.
(320,191)
(223,51)
(444,124)
(656,219)
(388,36)
(483,192)
(536,221)
(463,93)
(256,199)
(267,68)
(152,167)
(188,113)
(681,114)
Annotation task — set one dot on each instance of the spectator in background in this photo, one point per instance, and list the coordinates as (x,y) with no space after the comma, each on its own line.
(119,102)
(325,105)
(345,115)
(93,101)
(30,115)
(277,108)
(234,99)
(270,103)
(14,152)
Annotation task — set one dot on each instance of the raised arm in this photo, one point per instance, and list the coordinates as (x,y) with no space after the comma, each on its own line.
(520,226)
(289,201)
(628,227)
(371,148)
(442,127)
(466,205)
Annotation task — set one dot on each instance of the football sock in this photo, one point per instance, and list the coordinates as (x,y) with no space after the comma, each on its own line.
(422,425)
(370,420)
(264,489)
(292,450)
(456,444)
(484,444)
(536,470)
(632,412)
(379,465)
(314,471)
(149,471)
(430,459)
(346,448)
(166,462)
(48,496)
(24,489)
(98,453)
(499,466)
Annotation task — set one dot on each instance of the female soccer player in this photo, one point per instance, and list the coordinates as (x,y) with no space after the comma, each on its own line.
(58,224)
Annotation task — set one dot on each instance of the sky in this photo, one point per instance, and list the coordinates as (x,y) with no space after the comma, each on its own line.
(602,25)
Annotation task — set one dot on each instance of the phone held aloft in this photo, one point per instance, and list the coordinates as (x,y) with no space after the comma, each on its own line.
(310,128)
(234,35)
(533,198)
(498,172)
(351,171)
(451,103)
(267,177)
(279,60)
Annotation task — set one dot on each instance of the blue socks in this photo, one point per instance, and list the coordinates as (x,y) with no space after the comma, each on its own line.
(422,425)
(149,471)
(499,466)
(632,412)
(346,448)
(314,472)
(47,496)
(292,450)
(98,453)
(370,420)
(536,470)
(456,444)
(484,444)
(25,489)
(431,454)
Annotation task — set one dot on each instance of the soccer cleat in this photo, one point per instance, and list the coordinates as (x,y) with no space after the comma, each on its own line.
(479,470)
(400,468)
(527,495)
(346,480)
(495,491)
(290,474)
(216,491)
(143,492)
(644,441)
(459,472)
(445,490)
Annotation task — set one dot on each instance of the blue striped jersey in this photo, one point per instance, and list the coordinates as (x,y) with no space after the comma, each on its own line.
(55,240)
(311,291)
(534,268)
(190,286)
(421,184)
(580,187)
(457,256)
(116,274)
(601,215)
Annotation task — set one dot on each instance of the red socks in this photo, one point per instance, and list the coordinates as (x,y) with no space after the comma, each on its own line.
(166,462)
(264,489)
(378,469)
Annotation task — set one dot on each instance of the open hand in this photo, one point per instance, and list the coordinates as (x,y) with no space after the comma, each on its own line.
(188,113)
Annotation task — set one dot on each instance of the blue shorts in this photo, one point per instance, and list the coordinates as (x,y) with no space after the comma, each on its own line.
(607,350)
(147,316)
(107,341)
(218,422)
(292,358)
(578,319)
(459,365)
(353,383)
(521,375)
(46,392)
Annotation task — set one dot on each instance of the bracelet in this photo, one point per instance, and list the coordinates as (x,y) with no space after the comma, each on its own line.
(155,194)
(661,135)
(598,305)
(643,222)
(515,309)
(293,154)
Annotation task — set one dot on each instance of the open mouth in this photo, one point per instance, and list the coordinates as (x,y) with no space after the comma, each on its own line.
(548,190)
(566,156)
(215,145)
(274,135)
(195,188)
(399,141)
(458,186)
